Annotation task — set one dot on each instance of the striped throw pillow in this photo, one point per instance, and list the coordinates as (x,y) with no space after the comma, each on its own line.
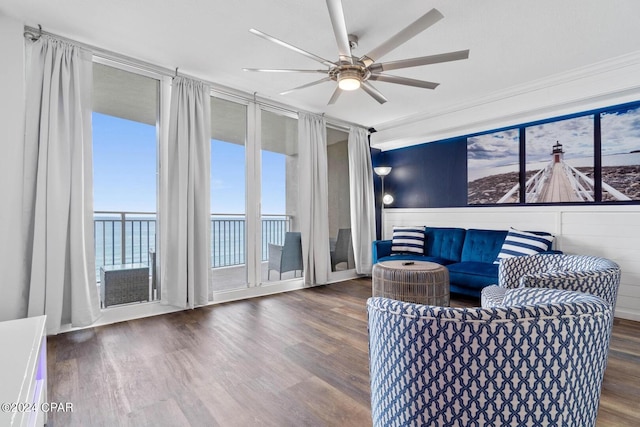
(408,240)
(521,243)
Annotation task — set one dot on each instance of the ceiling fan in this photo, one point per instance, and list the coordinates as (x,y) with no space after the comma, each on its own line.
(353,73)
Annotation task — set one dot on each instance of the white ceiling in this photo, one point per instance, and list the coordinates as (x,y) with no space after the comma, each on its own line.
(512,43)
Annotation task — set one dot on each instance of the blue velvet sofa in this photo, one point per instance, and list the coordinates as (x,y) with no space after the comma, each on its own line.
(469,255)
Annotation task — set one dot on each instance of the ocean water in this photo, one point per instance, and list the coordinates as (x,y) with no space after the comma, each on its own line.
(227,239)
(626,159)
(139,238)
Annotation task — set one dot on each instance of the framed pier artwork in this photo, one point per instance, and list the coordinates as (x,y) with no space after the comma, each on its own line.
(620,135)
(560,161)
(594,157)
(493,168)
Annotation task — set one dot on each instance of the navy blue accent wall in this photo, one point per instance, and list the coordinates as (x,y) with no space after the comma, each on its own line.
(377,159)
(429,175)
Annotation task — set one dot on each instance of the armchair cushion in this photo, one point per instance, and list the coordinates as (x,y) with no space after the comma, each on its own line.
(492,296)
(533,296)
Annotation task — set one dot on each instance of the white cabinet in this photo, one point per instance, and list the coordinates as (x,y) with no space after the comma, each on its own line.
(23,372)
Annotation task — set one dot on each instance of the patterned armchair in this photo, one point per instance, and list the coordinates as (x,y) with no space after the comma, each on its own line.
(523,364)
(582,273)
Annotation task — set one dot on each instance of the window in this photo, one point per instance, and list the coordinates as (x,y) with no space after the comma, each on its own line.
(125,140)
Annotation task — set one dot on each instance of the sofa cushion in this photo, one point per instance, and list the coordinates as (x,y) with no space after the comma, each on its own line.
(408,240)
(473,274)
(522,243)
(482,245)
(412,257)
(445,243)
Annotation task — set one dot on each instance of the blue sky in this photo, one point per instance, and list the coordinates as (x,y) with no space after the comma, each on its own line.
(124,170)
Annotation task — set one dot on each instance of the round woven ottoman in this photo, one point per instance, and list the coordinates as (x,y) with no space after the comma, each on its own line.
(418,282)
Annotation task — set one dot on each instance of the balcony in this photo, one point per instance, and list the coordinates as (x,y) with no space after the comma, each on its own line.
(130,238)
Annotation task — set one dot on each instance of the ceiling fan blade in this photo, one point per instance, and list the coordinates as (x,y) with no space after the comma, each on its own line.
(404,81)
(335,96)
(326,79)
(336,13)
(418,26)
(283,70)
(373,92)
(292,47)
(423,60)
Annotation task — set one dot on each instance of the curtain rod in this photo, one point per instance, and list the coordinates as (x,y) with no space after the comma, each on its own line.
(34,34)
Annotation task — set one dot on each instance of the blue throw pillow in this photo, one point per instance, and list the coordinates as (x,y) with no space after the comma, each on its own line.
(521,243)
(408,240)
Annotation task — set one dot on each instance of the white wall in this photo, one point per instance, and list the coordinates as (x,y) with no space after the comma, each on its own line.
(12,268)
(609,231)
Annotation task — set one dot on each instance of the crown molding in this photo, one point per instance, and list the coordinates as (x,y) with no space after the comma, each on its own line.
(558,82)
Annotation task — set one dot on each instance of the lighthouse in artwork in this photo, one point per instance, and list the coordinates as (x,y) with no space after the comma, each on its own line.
(557,152)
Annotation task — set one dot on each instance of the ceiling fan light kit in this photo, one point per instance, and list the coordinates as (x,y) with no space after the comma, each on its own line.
(348,77)
(353,73)
(348,82)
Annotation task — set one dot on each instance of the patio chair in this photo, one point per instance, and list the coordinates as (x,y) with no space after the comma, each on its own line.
(287,257)
(343,250)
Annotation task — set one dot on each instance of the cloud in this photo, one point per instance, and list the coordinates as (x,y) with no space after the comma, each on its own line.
(575,135)
(621,132)
(499,146)
(487,152)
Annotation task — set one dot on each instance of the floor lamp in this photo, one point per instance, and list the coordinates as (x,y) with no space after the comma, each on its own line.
(385,199)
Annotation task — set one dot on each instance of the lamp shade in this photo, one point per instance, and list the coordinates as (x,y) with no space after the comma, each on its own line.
(387,199)
(382,170)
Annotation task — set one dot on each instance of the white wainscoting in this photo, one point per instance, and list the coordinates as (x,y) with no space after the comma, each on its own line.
(609,231)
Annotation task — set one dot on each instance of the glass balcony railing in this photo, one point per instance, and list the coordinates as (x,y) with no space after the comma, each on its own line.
(130,237)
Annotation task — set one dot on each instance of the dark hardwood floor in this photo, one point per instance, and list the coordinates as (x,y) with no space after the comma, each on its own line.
(293,359)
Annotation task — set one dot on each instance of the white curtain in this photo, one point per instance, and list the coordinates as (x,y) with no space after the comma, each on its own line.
(58,188)
(363,213)
(313,198)
(185,199)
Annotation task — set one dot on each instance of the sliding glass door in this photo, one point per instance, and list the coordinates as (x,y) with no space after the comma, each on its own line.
(125,140)
(280,246)
(339,203)
(228,195)
(254,224)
